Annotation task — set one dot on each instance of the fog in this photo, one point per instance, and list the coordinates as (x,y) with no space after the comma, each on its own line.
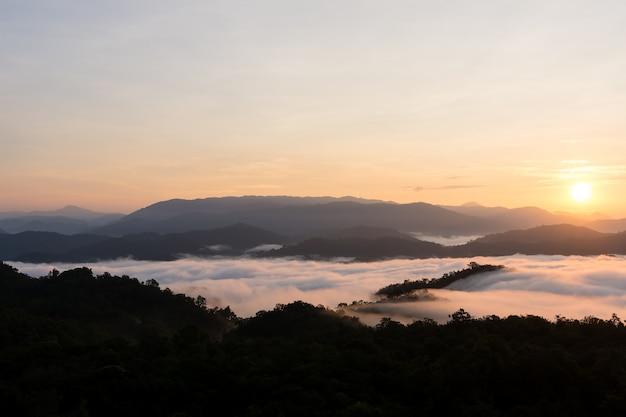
(573,286)
(451,240)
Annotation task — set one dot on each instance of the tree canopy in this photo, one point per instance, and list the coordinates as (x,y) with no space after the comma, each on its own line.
(76,344)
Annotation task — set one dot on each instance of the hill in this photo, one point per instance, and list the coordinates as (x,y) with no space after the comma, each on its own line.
(293,216)
(553,233)
(233,240)
(16,246)
(96,308)
(363,232)
(545,240)
(359,243)
(298,216)
(75,344)
(68,220)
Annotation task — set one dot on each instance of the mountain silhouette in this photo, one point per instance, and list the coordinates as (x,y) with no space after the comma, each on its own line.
(360,243)
(561,239)
(68,220)
(294,216)
(316,227)
(362,231)
(233,240)
(16,246)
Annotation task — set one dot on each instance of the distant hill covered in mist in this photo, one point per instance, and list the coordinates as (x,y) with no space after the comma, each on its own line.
(358,243)
(297,216)
(294,216)
(310,227)
(68,220)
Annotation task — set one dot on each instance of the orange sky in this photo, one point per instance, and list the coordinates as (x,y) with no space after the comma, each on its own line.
(116,106)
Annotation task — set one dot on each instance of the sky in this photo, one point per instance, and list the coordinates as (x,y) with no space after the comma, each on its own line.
(568,286)
(115,105)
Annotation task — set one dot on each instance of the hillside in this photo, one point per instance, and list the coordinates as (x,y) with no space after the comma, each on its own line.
(361,243)
(68,220)
(75,344)
(546,240)
(293,216)
(233,240)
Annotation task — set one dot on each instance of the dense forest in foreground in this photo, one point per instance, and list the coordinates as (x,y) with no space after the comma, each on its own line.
(75,344)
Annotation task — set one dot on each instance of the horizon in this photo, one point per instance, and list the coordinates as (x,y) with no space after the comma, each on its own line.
(116,106)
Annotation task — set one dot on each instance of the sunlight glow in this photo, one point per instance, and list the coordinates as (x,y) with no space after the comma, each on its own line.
(581,191)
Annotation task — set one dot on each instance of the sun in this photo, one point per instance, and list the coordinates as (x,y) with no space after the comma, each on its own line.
(581,191)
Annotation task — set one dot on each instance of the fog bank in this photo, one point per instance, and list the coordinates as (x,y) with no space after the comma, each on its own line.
(547,286)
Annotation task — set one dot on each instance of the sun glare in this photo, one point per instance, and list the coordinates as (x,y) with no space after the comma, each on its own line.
(581,191)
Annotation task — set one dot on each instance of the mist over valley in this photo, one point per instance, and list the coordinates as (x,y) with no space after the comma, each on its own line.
(571,286)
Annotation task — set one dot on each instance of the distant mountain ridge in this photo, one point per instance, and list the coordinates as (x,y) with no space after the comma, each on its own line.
(562,239)
(218,205)
(233,240)
(67,220)
(360,243)
(297,216)
(69,211)
(294,216)
(317,227)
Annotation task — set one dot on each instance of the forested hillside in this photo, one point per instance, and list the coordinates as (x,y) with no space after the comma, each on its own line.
(75,344)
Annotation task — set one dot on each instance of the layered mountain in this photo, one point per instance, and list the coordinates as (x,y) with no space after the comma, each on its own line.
(562,239)
(19,246)
(358,243)
(517,218)
(315,227)
(233,240)
(362,231)
(295,216)
(68,220)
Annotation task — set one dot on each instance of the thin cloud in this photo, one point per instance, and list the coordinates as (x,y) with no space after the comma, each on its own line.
(456,187)
(574,161)
(447,187)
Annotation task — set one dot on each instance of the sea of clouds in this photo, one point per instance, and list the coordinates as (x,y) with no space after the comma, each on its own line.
(547,286)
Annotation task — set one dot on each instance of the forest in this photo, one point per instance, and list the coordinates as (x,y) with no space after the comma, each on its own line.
(408,287)
(77,344)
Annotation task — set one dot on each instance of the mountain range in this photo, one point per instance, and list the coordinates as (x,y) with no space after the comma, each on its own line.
(316,227)
(67,220)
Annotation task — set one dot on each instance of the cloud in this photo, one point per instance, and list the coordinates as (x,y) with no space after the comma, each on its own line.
(574,161)
(449,240)
(547,286)
(455,187)
(448,187)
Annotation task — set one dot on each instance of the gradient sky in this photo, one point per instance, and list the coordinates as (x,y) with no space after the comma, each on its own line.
(114,105)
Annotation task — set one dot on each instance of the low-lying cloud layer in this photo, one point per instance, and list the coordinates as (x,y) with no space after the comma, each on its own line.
(547,286)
